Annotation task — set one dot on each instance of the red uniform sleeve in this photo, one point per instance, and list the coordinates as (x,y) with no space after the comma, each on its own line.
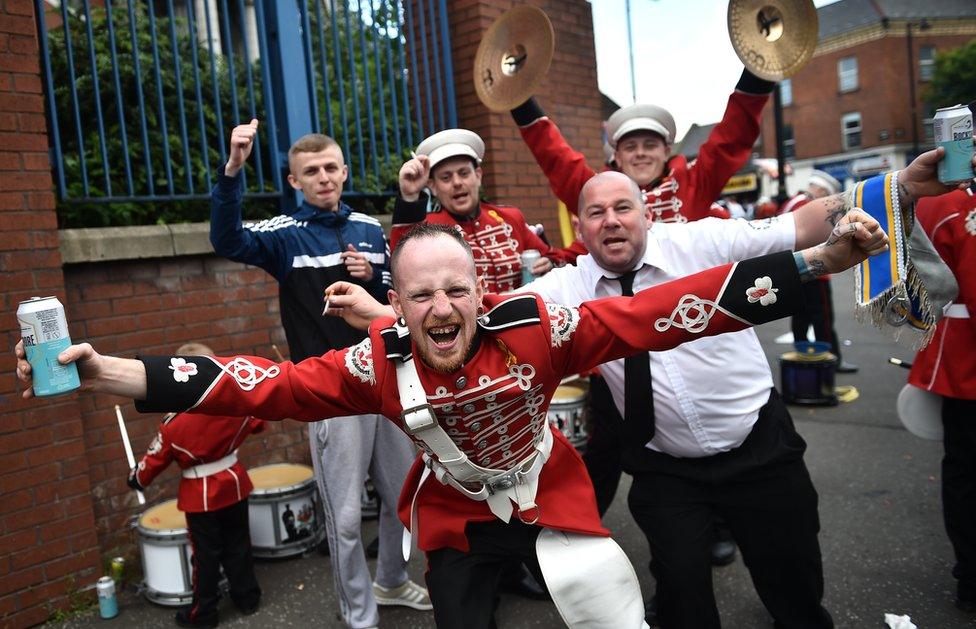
(564,167)
(727,149)
(723,299)
(158,456)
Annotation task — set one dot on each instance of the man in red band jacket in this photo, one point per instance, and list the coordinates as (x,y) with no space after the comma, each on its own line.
(642,136)
(947,366)
(214,487)
(487,367)
(448,164)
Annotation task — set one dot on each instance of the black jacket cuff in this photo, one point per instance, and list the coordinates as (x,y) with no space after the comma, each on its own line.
(752,84)
(410,211)
(132,481)
(749,297)
(528,112)
(169,390)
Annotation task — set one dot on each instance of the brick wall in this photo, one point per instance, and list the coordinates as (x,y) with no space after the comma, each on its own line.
(154,306)
(569,96)
(882,96)
(47,539)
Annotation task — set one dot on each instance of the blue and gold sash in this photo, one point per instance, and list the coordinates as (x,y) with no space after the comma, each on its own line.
(888,287)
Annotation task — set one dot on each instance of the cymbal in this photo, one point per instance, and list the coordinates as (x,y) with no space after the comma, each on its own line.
(513,57)
(773,38)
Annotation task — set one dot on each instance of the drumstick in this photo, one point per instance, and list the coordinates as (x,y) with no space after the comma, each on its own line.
(899,362)
(277,352)
(128,449)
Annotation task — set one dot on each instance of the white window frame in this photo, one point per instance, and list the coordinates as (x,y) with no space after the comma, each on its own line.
(846,131)
(926,65)
(786,92)
(847,79)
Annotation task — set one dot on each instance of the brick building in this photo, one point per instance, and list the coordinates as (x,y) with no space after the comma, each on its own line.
(65,508)
(850,111)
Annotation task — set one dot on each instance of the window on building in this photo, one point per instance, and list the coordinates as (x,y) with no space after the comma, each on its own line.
(850,125)
(786,92)
(926,63)
(789,142)
(847,74)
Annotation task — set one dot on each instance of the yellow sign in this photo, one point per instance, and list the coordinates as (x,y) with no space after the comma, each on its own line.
(741,183)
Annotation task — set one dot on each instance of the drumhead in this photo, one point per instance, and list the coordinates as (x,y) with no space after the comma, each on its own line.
(920,412)
(163,517)
(278,476)
(798,357)
(567,394)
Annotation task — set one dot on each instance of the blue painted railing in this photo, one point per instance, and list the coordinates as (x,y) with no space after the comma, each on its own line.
(142,94)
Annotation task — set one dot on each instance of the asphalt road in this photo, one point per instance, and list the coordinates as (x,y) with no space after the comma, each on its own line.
(883,542)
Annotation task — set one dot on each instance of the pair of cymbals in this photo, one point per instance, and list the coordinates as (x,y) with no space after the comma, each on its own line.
(773,38)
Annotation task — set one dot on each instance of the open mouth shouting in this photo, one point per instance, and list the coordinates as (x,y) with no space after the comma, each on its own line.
(444,336)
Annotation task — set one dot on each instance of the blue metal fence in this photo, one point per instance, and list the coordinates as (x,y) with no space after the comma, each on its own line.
(142,94)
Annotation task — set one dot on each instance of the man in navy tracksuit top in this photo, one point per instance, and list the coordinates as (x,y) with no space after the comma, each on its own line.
(322,242)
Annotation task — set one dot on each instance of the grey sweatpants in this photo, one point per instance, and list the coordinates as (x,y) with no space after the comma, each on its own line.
(344,449)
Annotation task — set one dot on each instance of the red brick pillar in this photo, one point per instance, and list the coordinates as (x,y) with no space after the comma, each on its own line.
(569,96)
(47,537)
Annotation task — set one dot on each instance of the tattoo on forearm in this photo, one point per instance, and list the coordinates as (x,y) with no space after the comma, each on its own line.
(836,208)
(817,267)
(903,193)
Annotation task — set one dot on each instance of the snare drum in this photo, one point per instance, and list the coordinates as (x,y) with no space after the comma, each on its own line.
(566,414)
(166,555)
(808,378)
(282,510)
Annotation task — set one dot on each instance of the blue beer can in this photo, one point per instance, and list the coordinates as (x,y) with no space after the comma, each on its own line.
(108,605)
(44,329)
(529,256)
(953,130)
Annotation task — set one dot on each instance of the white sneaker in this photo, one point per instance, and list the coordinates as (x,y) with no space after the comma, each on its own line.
(409,594)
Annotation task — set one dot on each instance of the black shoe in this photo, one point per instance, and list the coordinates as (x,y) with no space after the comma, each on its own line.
(373,548)
(183,619)
(966,605)
(323,547)
(650,611)
(723,553)
(846,367)
(523,584)
(247,610)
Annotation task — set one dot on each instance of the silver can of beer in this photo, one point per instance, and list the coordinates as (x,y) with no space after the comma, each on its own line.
(108,605)
(44,329)
(529,256)
(953,130)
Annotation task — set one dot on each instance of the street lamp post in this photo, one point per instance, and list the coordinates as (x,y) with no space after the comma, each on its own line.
(922,26)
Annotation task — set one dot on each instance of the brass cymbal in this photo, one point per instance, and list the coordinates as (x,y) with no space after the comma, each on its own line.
(773,38)
(513,57)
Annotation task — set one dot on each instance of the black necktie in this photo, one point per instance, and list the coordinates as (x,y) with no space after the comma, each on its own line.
(638,396)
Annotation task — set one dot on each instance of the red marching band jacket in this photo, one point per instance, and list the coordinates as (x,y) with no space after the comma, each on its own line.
(497,235)
(495,406)
(192,439)
(947,365)
(686,192)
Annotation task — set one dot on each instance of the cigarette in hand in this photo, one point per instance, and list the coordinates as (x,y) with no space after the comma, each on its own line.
(328,296)
(413,155)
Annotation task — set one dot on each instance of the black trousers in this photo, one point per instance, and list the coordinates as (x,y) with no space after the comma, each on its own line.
(603,447)
(959,490)
(221,538)
(819,312)
(763,491)
(463,586)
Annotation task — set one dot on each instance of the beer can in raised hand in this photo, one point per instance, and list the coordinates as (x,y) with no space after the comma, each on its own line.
(44,329)
(529,256)
(953,130)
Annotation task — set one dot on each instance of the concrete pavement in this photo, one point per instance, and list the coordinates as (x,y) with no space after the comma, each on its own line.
(883,542)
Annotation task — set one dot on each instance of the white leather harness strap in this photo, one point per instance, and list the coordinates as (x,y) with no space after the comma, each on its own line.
(209,469)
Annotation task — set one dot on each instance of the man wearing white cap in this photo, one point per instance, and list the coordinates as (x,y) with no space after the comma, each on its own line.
(642,136)
(448,164)
(819,311)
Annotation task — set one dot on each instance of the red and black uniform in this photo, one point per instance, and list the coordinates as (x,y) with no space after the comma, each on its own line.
(686,191)
(947,366)
(215,504)
(494,407)
(497,234)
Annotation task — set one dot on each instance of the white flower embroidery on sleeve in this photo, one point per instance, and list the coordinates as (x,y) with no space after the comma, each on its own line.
(182,370)
(763,292)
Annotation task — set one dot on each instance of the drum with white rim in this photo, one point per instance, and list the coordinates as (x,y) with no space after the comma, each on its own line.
(567,414)
(282,510)
(167,555)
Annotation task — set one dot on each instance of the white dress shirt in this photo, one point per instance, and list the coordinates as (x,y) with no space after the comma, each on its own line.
(708,392)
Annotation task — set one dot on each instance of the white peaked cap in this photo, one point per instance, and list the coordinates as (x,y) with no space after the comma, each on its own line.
(451,143)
